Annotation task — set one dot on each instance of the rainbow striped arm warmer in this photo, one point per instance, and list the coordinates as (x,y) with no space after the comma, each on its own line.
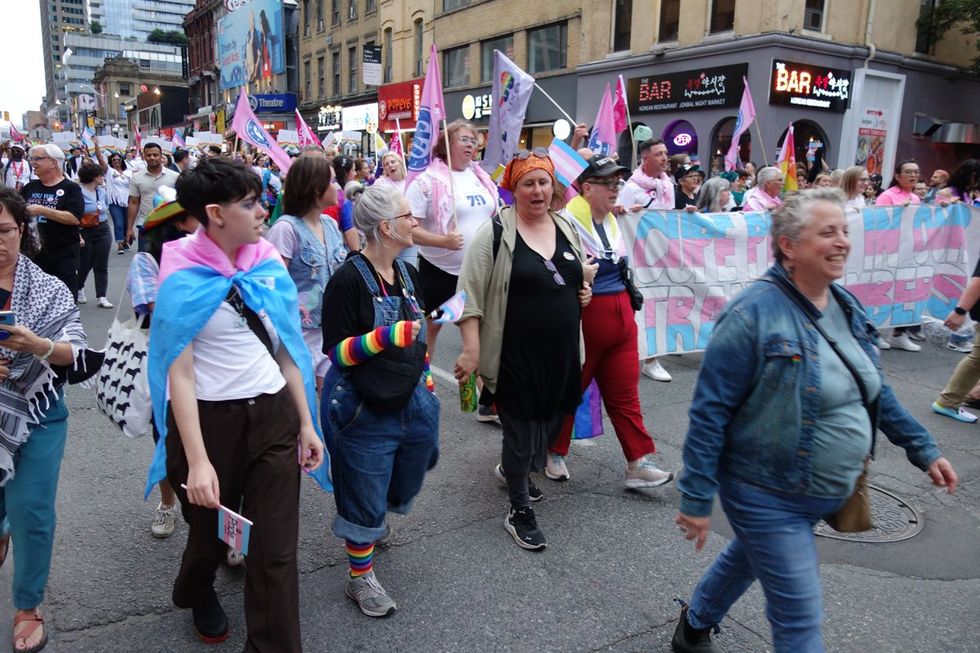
(357,349)
(430,383)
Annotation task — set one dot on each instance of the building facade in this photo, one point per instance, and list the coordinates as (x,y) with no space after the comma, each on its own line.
(58,17)
(200,26)
(120,81)
(138,18)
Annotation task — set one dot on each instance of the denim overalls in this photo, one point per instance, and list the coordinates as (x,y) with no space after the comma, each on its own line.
(313,267)
(378,459)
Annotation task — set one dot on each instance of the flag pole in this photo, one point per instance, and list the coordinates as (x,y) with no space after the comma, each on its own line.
(401,143)
(765,157)
(449,162)
(629,122)
(558,106)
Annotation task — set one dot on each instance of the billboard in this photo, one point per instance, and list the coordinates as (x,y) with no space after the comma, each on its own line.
(251,45)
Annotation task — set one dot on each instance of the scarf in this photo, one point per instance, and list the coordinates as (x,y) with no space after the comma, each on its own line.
(195,277)
(581,214)
(44,305)
(661,184)
(442,195)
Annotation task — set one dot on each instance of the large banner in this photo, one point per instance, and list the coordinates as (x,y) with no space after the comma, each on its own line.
(250,45)
(904,263)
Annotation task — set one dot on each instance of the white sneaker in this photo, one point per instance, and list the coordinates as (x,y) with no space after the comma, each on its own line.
(883,343)
(643,473)
(81,297)
(555,468)
(234,558)
(902,341)
(164,521)
(963,349)
(104,303)
(655,371)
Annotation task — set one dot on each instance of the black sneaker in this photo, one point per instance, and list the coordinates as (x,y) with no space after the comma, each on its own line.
(210,620)
(523,527)
(487,414)
(533,492)
(688,640)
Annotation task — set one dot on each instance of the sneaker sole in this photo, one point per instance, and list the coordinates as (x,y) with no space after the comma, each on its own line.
(557,477)
(636,484)
(377,615)
(210,639)
(521,543)
(941,410)
(161,536)
(486,419)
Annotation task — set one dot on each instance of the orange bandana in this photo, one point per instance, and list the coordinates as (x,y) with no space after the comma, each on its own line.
(517,168)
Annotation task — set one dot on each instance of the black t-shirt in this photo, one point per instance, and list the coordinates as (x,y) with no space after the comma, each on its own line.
(66,195)
(348,307)
(681,200)
(975,309)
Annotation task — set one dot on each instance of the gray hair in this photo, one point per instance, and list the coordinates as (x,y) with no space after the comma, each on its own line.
(766,175)
(377,204)
(710,193)
(790,217)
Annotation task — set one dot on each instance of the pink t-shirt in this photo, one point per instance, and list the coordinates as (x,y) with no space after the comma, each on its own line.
(895,196)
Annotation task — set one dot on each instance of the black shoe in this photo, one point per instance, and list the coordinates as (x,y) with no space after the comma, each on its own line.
(210,620)
(687,639)
(970,402)
(533,492)
(523,527)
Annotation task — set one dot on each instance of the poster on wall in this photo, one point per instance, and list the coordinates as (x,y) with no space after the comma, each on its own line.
(250,45)
(872,131)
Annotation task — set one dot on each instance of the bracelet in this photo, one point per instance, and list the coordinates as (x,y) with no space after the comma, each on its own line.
(959,311)
(46,355)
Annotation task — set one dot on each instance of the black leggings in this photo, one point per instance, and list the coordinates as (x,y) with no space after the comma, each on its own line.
(94,256)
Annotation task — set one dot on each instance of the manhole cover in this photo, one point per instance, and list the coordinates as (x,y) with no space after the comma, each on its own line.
(894,520)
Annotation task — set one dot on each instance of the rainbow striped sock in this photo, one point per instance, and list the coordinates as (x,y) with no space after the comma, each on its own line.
(360,557)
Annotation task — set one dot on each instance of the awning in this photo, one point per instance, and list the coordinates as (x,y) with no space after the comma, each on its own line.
(944,131)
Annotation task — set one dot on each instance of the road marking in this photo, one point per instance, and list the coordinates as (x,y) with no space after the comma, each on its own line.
(443,374)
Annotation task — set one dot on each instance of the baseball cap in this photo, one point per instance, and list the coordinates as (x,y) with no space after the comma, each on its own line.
(601,166)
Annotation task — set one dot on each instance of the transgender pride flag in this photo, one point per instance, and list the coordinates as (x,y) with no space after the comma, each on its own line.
(178,138)
(233,529)
(451,310)
(568,165)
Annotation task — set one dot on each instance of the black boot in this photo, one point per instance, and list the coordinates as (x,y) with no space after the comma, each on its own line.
(210,620)
(688,639)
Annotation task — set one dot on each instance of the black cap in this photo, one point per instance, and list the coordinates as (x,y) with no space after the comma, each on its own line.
(685,170)
(601,166)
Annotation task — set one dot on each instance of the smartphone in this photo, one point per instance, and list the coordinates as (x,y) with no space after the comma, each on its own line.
(7,318)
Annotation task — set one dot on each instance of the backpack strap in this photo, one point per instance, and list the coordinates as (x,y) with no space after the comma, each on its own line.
(498,234)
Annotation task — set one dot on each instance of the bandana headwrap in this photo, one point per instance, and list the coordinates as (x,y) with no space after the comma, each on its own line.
(517,168)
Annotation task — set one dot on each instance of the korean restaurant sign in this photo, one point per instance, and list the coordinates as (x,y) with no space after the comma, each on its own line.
(701,88)
(813,87)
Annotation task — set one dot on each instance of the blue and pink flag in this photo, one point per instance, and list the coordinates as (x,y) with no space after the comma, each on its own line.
(250,130)
(451,310)
(746,115)
(602,140)
(234,530)
(178,138)
(306,135)
(432,111)
(88,138)
(568,165)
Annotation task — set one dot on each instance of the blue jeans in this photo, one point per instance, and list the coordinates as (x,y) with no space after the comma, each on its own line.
(774,543)
(27,503)
(118,214)
(378,460)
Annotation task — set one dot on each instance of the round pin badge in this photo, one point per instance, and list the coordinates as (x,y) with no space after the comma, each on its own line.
(59,192)
(569,256)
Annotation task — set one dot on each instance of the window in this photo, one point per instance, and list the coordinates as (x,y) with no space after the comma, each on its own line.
(722,16)
(622,17)
(370,6)
(124,89)
(335,71)
(352,10)
(924,43)
(335,12)
(547,48)
(813,15)
(456,67)
(417,37)
(503,43)
(319,15)
(307,81)
(321,79)
(387,55)
(449,5)
(306,17)
(352,64)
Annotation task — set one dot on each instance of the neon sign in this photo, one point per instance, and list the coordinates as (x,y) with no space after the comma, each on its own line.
(797,84)
(703,88)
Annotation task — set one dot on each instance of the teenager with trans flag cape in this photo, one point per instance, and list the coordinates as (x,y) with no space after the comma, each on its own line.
(432,111)
(250,130)
(512,89)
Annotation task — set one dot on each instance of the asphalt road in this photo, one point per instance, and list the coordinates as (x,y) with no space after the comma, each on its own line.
(614,563)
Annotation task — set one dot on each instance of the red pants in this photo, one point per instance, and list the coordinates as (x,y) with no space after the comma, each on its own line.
(613,360)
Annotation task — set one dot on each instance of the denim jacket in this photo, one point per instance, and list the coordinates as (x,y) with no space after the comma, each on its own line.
(758,396)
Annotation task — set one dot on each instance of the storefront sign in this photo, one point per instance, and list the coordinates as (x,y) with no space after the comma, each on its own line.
(361,117)
(871,141)
(477,107)
(815,87)
(274,103)
(399,102)
(703,88)
(372,65)
(328,119)
(680,136)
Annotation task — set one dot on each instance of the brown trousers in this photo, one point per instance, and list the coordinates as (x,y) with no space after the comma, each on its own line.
(252,446)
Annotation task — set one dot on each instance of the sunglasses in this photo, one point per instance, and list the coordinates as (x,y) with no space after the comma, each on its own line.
(560,280)
(540,152)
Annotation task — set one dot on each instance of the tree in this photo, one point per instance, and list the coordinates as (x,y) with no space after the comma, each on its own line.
(95,27)
(171,38)
(935,22)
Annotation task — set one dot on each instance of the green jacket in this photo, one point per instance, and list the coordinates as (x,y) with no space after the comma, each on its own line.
(487,283)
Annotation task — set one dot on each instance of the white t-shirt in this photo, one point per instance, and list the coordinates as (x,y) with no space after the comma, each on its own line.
(474,206)
(661,197)
(230,362)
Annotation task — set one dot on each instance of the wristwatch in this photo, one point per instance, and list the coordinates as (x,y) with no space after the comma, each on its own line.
(959,311)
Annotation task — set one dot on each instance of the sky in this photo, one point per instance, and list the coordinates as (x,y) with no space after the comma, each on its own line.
(22,75)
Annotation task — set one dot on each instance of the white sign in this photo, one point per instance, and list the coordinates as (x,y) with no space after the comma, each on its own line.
(475,107)
(362,117)
(287,137)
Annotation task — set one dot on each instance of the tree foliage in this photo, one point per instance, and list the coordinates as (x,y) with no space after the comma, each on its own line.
(948,14)
(95,27)
(172,38)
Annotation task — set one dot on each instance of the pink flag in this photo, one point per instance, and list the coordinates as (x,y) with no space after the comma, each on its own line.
(250,130)
(602,140)
(15,135)
(432,110)
(395,144)
(305,133)
(746,115)
(619,106)
(139,141)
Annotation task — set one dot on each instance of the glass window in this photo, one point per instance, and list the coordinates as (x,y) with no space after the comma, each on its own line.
(335,12)
(503,43)
(352,10)
(923,39)
(370,6)
(456,67)
(306,17)
(813,15)
(124,89)
(722,16)
(352,80)
(670,15)
(387,55)
(321,79)
(621,27)
(448,5)
(335,71)
(319,15)
(547,48)
(417,46)
(307,82)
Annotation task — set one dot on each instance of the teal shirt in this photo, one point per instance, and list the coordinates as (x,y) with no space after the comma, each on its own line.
(842,437)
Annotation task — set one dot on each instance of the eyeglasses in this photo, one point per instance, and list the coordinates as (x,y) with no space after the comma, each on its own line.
(39,158)
(560,280)
(612,184)
(404,215)
(7,232)
(540,152)
(466,140)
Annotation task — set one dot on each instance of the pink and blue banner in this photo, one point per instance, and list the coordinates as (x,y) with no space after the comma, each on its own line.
(307,136)
(432,110)
(905,262)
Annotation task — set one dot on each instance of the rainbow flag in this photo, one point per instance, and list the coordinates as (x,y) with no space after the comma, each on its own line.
(787,162)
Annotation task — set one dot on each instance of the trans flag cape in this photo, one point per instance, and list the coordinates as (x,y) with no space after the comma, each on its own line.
(195,277)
